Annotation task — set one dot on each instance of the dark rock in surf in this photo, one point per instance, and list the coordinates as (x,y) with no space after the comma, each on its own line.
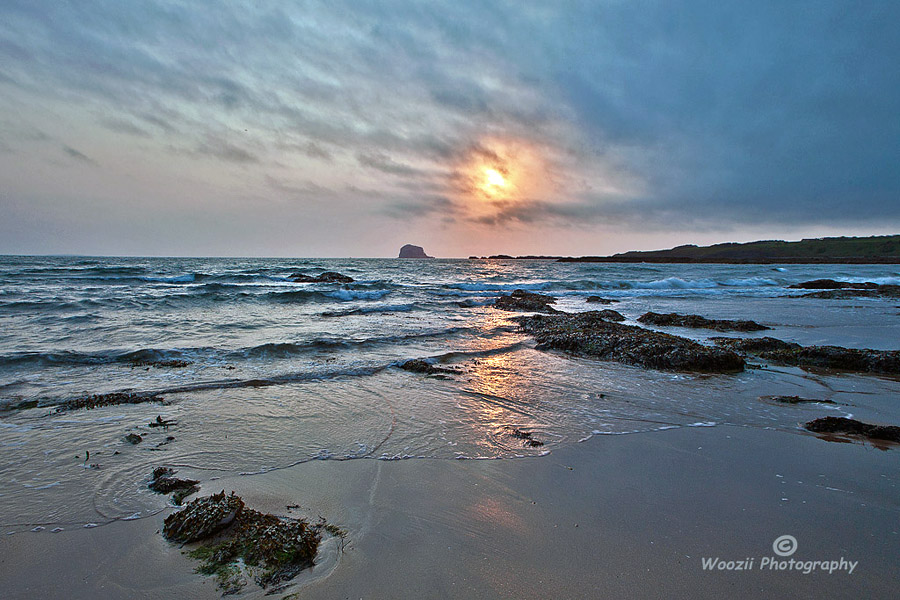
(852,427)
(832,289)
(526,301)
(115,398)
(410,251)
(831,284)
(417,365)
(525,436)
(599,300)
(794,400)
(133,439)
(326,277)
(825,357)
(589,334)
(165,482)
(882,291)
(698,322)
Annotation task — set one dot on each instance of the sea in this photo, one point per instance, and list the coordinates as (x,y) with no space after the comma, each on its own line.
(257,372)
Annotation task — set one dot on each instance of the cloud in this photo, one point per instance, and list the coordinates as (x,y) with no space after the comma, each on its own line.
(652,115)
(385,164)
(226,151)
(79,156)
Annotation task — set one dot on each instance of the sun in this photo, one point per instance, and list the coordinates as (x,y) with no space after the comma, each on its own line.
(493,182)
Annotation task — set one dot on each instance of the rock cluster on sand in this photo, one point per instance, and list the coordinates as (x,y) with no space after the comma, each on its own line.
(590,334)
(845,426)
(844,289)
(827,357)
(277,549)
(526,301)
(698,322)
(410,251)
(326,277)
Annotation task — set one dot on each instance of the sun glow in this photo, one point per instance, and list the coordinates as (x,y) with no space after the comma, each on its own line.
(493,178)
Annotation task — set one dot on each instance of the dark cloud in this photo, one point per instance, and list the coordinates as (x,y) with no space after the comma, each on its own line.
(386,164)
(227,151)
(77,155)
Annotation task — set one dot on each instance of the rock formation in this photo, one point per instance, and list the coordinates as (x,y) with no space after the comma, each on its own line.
(410,251)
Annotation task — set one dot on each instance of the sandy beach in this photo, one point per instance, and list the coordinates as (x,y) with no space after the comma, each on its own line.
(617,516)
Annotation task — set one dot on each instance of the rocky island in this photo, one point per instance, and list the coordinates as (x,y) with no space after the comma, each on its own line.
(410,251)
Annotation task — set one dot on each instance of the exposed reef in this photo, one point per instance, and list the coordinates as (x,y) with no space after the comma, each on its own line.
(826,357)
(274,549)
(698,322)
(831,289)
(520,300)
(852,427)
(326,277)
(794,400)
(590,334)
(98,400)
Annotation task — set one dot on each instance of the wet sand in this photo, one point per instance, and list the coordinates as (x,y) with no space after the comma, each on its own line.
(615,516)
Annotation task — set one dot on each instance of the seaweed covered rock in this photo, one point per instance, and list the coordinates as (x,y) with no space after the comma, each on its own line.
(526,437)
(852,427)
(526,301)
(698,322)
(165,482)
(202,518)
(831,284)
(98,400)
(599,300)
(590,334)
(610,315)
(417,365)
(794,400)
(275,548)
(326,277)
(825,357)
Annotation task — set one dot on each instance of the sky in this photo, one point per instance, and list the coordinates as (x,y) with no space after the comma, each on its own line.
(350,128)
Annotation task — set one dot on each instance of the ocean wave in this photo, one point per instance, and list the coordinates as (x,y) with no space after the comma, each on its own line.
(268,350)
(365,310)
(186,278)
(498,287)
(346,295)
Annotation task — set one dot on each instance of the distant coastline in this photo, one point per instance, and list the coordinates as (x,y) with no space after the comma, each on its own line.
(836,250)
